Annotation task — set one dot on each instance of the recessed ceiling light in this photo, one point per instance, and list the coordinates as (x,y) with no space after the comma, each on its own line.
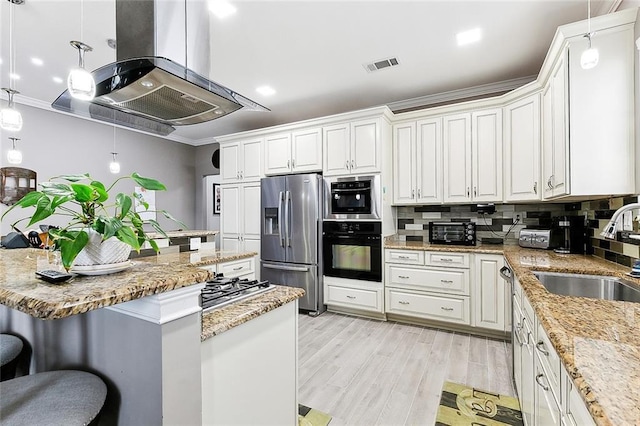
(266,90)
(146,83)
(221,8)
(468,37)
(14,76)
(37,61)
(57,80)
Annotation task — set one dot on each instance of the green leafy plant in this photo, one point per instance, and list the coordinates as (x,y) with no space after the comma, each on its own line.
(91,198)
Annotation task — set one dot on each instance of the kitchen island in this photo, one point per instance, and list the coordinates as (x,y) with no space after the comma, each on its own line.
(140,330)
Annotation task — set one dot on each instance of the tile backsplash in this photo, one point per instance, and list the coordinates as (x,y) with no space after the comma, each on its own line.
(413,223)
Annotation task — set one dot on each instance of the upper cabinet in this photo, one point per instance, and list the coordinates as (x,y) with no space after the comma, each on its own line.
(241,161)
(522,149)
(473,156)
(352,148)
(294,152)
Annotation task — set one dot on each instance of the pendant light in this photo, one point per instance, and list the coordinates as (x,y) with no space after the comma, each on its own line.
(114,166)
(13,155)
(590,57)
(10,118)
(80,82)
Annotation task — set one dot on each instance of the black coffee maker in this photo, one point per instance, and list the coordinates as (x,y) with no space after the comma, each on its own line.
(571,234)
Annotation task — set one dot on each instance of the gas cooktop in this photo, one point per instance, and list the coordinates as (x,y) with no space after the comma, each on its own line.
(222,291)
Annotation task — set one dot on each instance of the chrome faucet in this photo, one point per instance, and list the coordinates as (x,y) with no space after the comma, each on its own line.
(610,230)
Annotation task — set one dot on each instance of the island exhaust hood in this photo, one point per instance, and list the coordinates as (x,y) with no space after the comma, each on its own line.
(150,86)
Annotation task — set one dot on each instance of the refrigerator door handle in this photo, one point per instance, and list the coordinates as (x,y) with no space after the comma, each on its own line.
(287,200)
(286,268)
(280,200)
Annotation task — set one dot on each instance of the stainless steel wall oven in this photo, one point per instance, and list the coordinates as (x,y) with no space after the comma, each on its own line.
(352,250)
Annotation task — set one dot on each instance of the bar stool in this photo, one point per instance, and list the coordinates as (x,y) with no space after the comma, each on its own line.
(10,348)
(63,397)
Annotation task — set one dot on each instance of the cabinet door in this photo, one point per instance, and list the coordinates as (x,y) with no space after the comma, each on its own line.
(404,163)
(457,158)
(306,150)
(547,412)
(250,211)
(428,157)
(522,150)
(277,153)
(230,222)
(488,292)
(336,150)
(230,162)
(251,160)
(486,154)
(365,152)
(560,127)
(547,141)
(527,401)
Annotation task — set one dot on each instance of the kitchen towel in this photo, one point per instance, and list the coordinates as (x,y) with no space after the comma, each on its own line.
(464,405)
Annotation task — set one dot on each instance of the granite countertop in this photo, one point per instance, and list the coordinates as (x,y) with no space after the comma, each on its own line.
(182,234)
(391,243)
(219,320)
(21,290)
(196,258)
(598,341)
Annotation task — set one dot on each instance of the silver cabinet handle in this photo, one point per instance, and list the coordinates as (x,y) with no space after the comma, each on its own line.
(535,187)
(446,309)
(353,164)
(404,277)
(288,164)
(468,192)
(541,349)
(475,191)
(418,192)
(402,302)
(517,330)
(346,164)
(238,175)
(403,257)
(293,164)
(238,237)
(350,297)
(413,193)
(446,281)
(538,377)
(238,268)
(241,174)
(444,259)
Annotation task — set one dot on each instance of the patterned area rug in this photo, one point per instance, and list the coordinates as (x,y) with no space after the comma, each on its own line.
(463,405)
(312,417)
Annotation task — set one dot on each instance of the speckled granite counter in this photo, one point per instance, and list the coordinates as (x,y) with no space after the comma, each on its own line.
(391,243)
(188,233)
(21,290)
(222,319)
(598,341)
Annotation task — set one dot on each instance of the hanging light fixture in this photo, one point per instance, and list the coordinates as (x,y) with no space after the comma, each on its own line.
(80,81)
(114,166)
(10,118)
(590,57)
(13,155)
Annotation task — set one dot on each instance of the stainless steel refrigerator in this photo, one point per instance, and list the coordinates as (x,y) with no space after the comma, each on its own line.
(291,240)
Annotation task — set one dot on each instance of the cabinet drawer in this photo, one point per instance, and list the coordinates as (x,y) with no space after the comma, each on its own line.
(550,360)
(368,300)
(441,280)
(236,268)
(412,257)
(432,306)
(455,260)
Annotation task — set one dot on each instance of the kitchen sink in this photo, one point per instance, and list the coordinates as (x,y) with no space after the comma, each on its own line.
(592,286)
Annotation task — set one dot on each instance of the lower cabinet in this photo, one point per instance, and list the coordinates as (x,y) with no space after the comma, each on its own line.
(440,307)
(242,268)
(354,296)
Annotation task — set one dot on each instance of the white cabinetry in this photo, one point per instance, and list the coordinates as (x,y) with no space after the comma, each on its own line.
(522,149)
(417,162)
(241,161)
(354,296)
(490,301)
(473,156)
(294,152)
(240,217)
(352,148)
(574,411)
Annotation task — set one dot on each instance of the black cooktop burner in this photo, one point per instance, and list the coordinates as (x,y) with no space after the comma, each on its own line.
(221,291)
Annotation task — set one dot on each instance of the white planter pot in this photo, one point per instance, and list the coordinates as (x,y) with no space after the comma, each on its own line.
(98,252)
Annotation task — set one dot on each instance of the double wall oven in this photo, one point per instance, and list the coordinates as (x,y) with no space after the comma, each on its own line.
(352,231)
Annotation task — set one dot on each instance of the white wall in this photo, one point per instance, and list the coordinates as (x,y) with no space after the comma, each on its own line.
(53,143)
(212,219)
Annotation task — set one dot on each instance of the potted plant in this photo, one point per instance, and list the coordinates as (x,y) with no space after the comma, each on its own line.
(87,204)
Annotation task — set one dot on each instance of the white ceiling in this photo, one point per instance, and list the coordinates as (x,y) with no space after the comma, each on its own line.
(311,52)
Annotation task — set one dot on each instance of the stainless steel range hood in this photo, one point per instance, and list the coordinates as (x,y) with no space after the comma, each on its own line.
(150,88)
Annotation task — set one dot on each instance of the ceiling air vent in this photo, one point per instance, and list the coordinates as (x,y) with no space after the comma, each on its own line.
(381,64)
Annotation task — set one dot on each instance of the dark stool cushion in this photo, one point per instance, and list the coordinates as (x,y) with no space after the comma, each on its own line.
(65,397)
(10,348)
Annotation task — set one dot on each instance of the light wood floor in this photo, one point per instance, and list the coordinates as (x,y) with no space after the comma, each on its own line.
(368,372)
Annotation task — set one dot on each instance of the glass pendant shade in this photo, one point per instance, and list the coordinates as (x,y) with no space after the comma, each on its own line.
(589,58)
(114,167)
(14,156)
(10,119)
(81,84)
